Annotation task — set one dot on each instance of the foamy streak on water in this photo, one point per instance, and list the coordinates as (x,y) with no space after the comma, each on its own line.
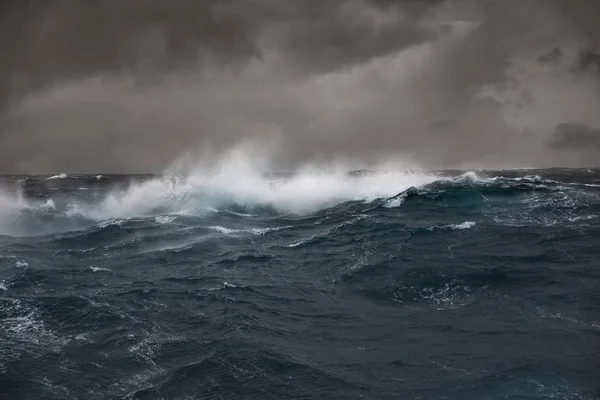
(464,225)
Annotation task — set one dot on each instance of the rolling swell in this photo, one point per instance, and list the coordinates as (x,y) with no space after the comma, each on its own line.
(447,286)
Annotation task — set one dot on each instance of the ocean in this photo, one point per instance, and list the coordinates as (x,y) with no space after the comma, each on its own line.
(313,285)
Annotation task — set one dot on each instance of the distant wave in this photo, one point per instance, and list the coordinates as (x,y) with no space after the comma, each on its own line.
(59,176)
(246,195)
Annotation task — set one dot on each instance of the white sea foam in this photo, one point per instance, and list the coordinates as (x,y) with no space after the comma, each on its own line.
(300,242)
(49,205)
(231,285)
(254,231)
(165,219)
(469,176)
(98,269)
(262,231)
(241,180)
(59,176)
(464,225)
(237,180)
(395,202)
(24,331)
(223,230)
(110,222)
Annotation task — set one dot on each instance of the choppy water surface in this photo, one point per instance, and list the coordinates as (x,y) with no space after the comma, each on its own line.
(446,285)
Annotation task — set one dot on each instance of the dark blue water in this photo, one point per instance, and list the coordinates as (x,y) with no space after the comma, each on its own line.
(467,286)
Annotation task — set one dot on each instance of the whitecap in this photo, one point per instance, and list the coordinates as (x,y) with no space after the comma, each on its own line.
(395,202)
(241,214)
(22,264)
(464,225)
(98,269)
(223,230)
(49,204)
(212,289)
(165,219)
(301,242)
(59,176)
(533,178)
(234,180)
(237,182)
(110,222)
(83,337)
(582,218)
(469,176)
(262,231)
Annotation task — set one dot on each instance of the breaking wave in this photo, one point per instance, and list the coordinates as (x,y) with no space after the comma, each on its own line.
(198,194)
(247,193)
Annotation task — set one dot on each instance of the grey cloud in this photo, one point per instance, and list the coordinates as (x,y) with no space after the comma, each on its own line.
(337,34)
(574,136)
(52,40)
(552,57)
(126,86)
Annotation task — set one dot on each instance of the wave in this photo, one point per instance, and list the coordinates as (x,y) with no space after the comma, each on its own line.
(99,269)
(59,176)
(238,191)
(232,272)
(298,194)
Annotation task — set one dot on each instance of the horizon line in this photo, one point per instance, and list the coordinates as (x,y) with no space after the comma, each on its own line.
(288,172)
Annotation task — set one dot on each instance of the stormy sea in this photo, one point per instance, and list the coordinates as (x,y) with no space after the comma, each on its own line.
(312,285)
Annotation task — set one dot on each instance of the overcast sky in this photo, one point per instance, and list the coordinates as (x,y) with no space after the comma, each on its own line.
(129,85)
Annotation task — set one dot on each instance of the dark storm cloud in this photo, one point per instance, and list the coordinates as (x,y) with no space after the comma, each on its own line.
(127,85)
(575,136)
(335,34)
(66,39)
(50,40)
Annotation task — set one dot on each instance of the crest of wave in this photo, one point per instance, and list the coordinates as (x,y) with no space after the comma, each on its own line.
(242,177)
